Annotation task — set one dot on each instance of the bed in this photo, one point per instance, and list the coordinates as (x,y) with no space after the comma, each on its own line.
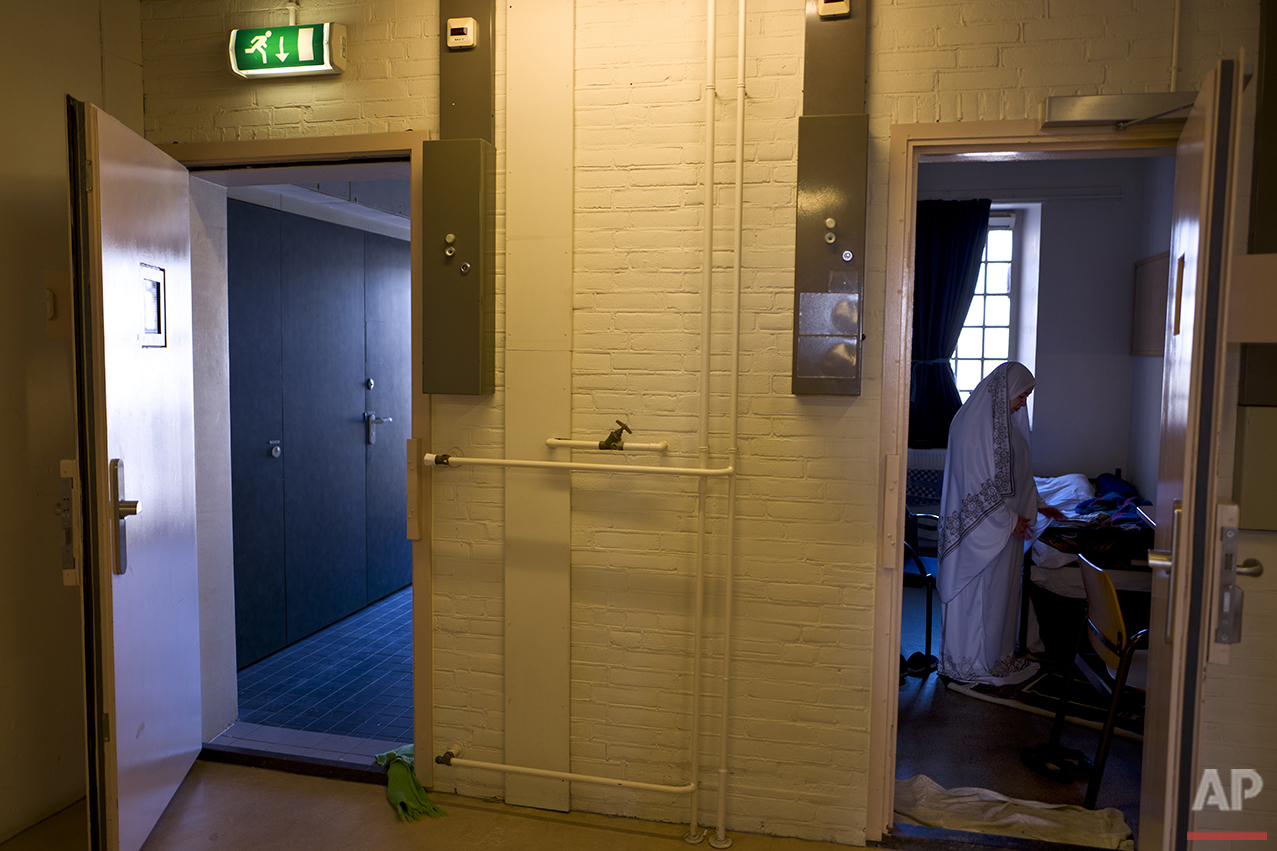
(1109,531)
(1116,540)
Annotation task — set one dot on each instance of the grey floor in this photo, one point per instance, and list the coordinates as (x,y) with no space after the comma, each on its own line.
(959,741)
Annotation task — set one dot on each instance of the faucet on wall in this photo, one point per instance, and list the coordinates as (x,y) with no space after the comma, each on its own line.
(616,440)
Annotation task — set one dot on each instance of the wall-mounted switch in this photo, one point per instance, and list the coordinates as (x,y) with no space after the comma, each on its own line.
(461,33)
(833,8)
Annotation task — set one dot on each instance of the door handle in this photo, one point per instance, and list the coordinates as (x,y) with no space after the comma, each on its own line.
(371,421)
(1250,567)
(123,508)
(1164,560)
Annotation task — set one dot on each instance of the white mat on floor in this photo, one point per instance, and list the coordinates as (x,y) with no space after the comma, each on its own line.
(922,801)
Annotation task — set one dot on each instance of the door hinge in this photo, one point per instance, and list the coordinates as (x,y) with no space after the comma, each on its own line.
(71,529)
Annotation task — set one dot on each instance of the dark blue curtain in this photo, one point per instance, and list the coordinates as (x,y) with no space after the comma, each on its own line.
(950,242)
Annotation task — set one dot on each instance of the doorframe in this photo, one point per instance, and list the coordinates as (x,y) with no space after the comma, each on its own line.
(363,151)
(979,140)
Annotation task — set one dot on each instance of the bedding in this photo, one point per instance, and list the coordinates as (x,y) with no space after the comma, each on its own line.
(1114,541)
(924,478)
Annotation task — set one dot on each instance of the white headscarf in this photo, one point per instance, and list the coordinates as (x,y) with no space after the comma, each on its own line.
(988,479)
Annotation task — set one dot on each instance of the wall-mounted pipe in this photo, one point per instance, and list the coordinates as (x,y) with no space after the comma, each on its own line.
(430,459)
(565,443)
(720,839)
(447,758)
(695,835)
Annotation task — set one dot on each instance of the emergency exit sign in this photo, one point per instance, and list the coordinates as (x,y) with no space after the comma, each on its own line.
(289,51)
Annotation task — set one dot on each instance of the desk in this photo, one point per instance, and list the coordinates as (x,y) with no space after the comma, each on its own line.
(1106,546)
(1122,552)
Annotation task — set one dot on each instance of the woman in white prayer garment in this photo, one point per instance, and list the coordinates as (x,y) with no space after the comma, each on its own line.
(988,502)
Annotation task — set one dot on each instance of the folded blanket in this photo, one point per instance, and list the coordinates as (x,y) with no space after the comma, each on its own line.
(403,790)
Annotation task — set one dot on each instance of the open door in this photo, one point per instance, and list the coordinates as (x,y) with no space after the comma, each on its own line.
(1188,463)
(130,214)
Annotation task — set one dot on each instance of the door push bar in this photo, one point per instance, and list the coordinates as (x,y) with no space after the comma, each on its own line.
(123,508)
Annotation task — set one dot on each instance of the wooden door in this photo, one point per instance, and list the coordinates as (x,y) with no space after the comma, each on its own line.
(134,394)
(1187,468)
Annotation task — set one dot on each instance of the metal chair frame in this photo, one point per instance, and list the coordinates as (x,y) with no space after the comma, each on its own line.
(912,554)
(1101,600)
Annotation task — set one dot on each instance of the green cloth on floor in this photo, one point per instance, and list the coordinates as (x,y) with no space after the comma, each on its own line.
(403,790)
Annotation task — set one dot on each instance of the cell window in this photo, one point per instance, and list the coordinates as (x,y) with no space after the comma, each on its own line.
(998,248)
(997,310)
(997,343)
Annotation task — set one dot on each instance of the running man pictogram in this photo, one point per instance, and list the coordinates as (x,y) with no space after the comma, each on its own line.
(258,44)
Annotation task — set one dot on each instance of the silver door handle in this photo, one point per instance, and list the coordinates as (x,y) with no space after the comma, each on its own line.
(371,421)
(1250,567)
(123,508)
(1164,560)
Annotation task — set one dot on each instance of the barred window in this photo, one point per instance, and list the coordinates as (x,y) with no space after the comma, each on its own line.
(988,337)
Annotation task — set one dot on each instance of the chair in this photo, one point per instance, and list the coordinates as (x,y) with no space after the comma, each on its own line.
(925,577)
(1118,664)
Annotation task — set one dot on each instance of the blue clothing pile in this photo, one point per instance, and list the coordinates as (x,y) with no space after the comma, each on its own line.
(1117,498)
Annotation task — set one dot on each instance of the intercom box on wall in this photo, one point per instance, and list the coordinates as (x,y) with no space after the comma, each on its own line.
(458,327)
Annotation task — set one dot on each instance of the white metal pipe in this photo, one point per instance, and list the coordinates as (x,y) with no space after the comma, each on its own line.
(565,775)
(432,459)
(694,835)
(707,270)
(720,838)
(565,443)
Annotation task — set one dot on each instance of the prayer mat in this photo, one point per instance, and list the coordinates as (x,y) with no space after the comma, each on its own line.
(1041,696)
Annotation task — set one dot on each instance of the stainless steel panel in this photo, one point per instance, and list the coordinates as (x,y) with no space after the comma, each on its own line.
(829,253)
(458,263)
(829,314)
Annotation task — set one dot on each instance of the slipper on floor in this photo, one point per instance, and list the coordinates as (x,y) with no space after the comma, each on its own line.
(919,664)
(1055,763)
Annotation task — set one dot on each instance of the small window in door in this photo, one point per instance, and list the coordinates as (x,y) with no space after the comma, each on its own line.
(153,320)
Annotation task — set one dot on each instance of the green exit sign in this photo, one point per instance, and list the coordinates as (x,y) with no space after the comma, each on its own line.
(290,51)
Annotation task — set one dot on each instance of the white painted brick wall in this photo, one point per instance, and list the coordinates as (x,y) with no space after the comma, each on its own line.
(798,734)
(191,95)
(808,487)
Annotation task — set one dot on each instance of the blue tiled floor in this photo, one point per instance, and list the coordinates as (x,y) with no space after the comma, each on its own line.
(352,679)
